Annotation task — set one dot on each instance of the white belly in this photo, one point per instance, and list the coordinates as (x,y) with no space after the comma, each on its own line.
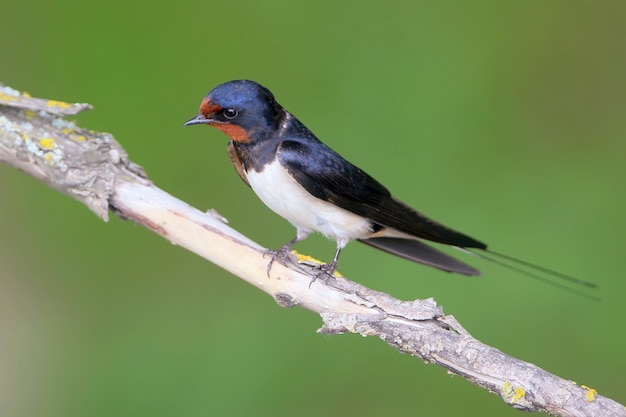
(281,193)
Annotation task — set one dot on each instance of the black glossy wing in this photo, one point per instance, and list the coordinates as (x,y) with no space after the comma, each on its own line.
(328,176)
(417,251)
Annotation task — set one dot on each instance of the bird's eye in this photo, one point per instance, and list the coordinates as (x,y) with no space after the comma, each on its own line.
(230,113)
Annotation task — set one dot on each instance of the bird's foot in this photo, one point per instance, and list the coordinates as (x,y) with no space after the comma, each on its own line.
(281,254)
(325,272)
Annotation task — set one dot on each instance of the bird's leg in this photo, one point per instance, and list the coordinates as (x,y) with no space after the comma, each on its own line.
(329,268)
(285,250)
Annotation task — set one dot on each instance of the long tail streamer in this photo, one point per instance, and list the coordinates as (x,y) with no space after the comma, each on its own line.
(516,265)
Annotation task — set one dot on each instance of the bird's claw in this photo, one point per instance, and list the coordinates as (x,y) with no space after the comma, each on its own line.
(281,254)
(325,272)
(322,271)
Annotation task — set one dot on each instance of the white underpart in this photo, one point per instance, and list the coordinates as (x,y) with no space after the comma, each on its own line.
(281,193)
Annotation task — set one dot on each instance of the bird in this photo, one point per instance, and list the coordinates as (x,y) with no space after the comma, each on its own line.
(317,190)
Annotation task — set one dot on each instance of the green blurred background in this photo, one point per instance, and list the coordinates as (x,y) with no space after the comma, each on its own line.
(502,119)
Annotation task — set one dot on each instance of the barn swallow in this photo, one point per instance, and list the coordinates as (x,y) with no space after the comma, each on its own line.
(317,190)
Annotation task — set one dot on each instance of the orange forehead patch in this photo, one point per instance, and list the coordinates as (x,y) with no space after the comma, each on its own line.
(207,107)
(234,132)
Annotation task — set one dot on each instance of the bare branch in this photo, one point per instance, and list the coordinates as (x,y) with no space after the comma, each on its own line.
(94,169)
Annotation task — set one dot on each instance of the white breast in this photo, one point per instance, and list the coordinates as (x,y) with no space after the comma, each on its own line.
(281,193)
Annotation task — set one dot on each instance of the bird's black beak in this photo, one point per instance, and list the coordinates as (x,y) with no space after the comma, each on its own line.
(198,120)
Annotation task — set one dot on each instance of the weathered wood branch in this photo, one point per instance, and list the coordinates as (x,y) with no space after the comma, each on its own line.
(94,169)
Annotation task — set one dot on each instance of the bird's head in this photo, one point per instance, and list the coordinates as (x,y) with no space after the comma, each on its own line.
(244,110)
